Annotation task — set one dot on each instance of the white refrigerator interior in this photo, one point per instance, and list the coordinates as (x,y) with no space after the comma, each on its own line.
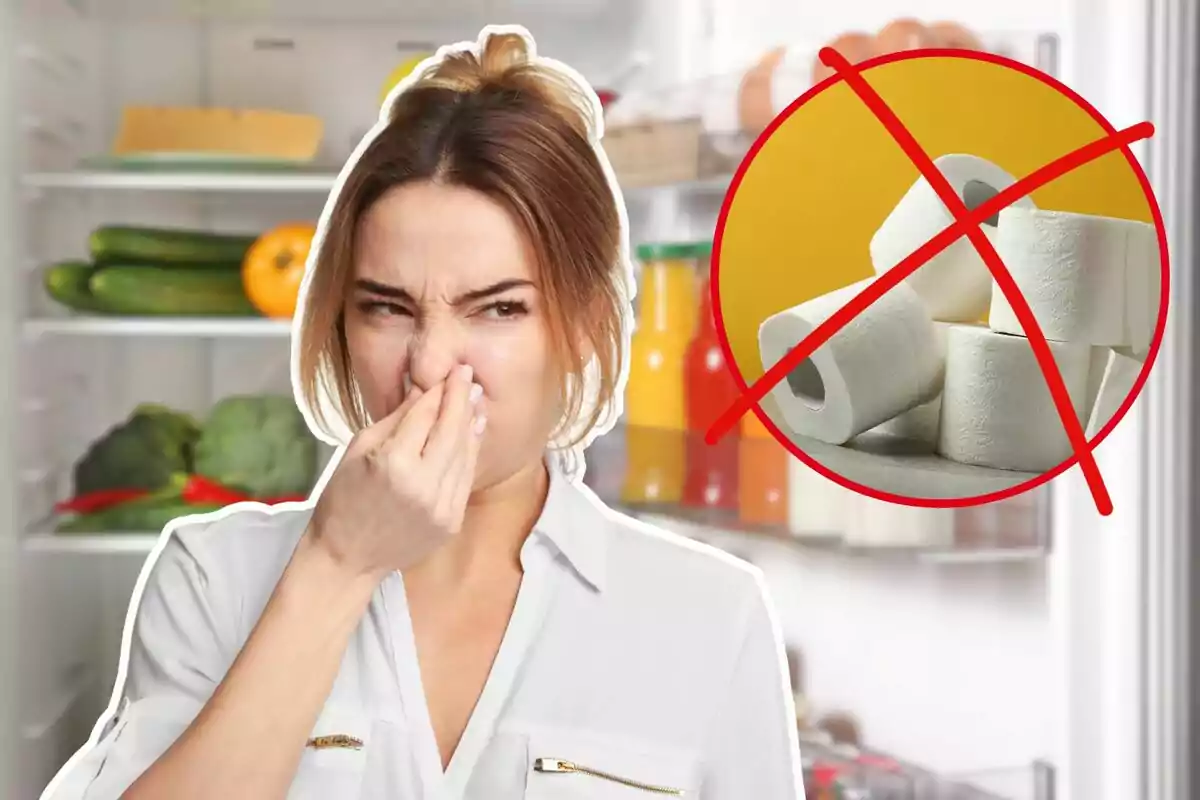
(972,667)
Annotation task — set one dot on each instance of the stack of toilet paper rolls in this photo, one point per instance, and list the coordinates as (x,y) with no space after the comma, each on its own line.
(919,364)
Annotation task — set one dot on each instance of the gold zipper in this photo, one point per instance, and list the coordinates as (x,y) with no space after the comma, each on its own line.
(559,765)
(335,741)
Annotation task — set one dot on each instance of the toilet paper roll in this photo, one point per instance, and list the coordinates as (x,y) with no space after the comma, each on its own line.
(878,523)
(1074,271)
(996,407)
(883,363)
(1143,292)
(817,506)
(955,284)
(1120,374)
(1097,365)
(919,424)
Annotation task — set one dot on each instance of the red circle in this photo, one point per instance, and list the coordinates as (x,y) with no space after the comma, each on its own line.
(959,502)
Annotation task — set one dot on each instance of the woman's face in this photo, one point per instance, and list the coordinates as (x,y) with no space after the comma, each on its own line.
(443,276)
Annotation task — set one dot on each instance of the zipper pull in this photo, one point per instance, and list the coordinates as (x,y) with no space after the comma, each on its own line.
(553,765)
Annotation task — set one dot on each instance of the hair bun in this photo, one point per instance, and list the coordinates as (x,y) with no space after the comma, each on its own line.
(505,62)
(504,51)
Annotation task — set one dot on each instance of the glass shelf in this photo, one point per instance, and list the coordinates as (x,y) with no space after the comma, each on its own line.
(735,537)
(132,543)
(1013,530)
(195,327)
(316,181)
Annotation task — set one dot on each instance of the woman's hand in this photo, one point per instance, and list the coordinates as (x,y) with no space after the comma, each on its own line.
(402,486)
(399,492)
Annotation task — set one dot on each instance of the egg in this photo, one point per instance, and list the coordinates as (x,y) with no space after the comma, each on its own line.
(903,34)
(952,34)
(855,46)
(755,107)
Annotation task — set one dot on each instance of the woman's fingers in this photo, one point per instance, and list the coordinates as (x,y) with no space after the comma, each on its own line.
(377,432)
(446,438)
(412,431)
(461,480)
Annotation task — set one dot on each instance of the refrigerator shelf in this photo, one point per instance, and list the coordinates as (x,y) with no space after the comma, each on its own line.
(92,544)
(281,182)
(204,181)
(1014,530)
(202,327)
(739,540)
(736,542)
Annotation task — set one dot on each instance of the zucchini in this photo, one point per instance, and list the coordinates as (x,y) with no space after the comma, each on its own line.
(167,246)
(171,291)
(67,284)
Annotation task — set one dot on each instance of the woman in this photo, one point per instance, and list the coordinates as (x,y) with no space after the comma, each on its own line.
(457,617)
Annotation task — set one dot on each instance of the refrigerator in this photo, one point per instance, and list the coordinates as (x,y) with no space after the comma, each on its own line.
(1054,663)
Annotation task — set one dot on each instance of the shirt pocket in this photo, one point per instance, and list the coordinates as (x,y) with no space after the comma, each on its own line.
(335,757)
(576,764)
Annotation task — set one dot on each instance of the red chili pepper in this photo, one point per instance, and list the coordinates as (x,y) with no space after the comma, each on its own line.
(196,489)
(98,501)
(202,490)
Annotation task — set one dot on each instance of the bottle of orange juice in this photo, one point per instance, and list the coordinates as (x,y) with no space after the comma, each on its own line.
(655,395)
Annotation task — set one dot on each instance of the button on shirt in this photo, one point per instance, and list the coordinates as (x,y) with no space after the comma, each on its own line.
(635,660)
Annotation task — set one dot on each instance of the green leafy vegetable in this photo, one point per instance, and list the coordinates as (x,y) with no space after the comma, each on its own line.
(258,444)
(146,451)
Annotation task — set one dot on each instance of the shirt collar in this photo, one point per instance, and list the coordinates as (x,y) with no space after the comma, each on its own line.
(573,523)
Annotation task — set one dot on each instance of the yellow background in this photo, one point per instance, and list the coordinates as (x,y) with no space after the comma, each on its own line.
(802,218)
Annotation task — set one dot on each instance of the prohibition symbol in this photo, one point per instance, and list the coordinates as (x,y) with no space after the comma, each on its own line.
(1059,140)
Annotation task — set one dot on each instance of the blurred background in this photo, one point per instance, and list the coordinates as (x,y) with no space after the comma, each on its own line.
(151,243)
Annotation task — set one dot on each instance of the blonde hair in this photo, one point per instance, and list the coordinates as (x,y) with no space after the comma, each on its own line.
(525,134)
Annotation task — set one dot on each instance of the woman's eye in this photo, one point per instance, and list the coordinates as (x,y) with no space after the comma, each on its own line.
(377,308)
(506,309)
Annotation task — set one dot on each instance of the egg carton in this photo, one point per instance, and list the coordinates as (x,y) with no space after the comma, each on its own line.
(695,131)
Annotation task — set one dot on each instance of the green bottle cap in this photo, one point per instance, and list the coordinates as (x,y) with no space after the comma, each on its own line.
(673,251)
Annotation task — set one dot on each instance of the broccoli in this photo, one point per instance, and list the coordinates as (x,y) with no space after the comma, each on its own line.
(258,444)
(143,452)
(177,425)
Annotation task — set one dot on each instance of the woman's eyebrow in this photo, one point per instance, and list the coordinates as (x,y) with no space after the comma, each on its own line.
(475,295)
(488,291)
(383,289)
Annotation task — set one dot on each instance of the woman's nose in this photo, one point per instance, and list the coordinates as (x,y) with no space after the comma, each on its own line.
(436,350)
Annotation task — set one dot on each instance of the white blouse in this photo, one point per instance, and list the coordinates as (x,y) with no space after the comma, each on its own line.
(636,663)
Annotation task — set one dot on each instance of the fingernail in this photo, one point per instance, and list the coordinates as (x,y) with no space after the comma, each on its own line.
(480,423)
(476,393)
(466,372)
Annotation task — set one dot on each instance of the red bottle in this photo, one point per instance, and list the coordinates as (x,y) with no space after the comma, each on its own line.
(712,470)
